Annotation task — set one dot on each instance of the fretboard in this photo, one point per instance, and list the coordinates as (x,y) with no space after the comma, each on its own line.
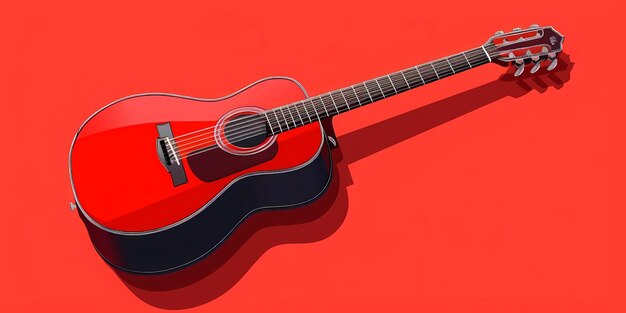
(316,108)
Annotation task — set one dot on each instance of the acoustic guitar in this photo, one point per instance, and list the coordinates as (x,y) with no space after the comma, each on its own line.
(161,180)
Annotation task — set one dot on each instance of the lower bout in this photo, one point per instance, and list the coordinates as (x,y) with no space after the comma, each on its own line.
(197,237)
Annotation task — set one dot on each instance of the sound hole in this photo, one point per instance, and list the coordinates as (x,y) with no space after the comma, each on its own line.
(246,130)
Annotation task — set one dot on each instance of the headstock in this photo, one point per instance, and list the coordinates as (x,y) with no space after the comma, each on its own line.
(524,46)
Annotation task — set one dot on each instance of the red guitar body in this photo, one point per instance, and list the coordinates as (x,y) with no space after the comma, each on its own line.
(142,219)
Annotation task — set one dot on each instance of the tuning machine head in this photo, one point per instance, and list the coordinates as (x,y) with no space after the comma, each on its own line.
(525,46)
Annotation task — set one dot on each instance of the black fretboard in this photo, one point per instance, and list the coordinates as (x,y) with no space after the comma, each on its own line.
(316,108)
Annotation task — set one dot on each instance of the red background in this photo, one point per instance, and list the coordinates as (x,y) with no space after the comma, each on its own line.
(467,195)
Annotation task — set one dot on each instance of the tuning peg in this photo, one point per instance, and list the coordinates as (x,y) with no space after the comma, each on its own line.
(535,68)
(536,60)
(554,62)
(533,26)
(498,33)
(537,65)
(520,67)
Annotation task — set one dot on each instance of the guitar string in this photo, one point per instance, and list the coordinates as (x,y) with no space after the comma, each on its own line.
(256,132)
(242,133)
(254,119)
(251,118)
(258,121)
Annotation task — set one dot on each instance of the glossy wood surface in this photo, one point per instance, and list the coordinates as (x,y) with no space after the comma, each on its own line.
(120,182)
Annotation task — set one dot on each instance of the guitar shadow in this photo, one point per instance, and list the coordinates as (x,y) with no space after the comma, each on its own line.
(216,274)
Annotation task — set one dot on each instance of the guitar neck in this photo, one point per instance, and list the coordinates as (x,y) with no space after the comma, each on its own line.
(326,105)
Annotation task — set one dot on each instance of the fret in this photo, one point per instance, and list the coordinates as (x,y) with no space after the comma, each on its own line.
(356,95)
(278,121)
(375,90)
(362,89)
(466,59)
(412,77)
(368,92)
(428,73)
(269,123)
(306,111)
(397,82)
(452,68)
(458,63)
(382,92)
(323,105)
(291,109)
(349,95)
(435,70)
(301,109)
(388,89)
(344,99)
(442,68)
(316,102)
(405,80)
(330,95)
(420,74)
(315,110)
(474,57)
(284,117)
(296,108)
(271,119)
(289,114)
(477,57)
(392,85)
(487,54)
(319,103)
(338,101)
